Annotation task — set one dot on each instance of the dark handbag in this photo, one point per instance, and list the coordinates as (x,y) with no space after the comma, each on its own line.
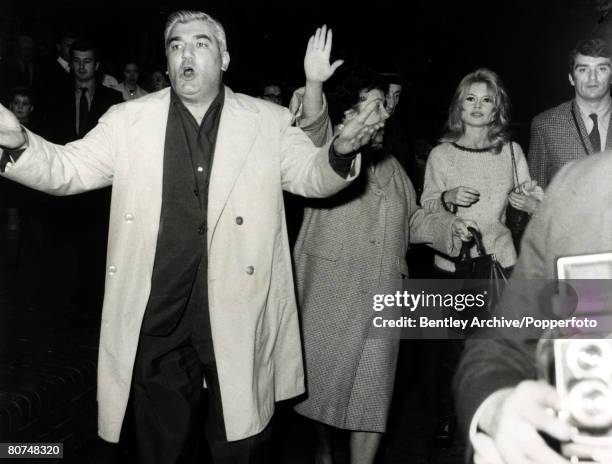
(516,220)
(482,273)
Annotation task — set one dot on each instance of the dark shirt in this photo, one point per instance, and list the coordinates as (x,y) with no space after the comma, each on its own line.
(179,280)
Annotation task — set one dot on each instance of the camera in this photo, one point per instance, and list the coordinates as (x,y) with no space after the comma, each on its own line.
(581,371)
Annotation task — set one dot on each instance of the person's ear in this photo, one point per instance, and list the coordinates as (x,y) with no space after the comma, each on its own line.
(97,65)
(571,79)
(225,60)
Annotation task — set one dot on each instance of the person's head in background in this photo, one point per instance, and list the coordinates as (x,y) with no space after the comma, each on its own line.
(22,104)
(272,92)
(354,88)
(131,73)
(158,80)
(394,91)
(64,44)
(84,62)
(26,48)
(590,70)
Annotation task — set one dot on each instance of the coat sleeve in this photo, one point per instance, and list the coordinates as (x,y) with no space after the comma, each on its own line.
(537,154)
(86,164)
(305,169)
(318,127)
(431,227)
(434,183)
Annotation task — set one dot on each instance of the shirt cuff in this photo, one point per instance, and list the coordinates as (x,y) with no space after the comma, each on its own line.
(340,164)
(11,156)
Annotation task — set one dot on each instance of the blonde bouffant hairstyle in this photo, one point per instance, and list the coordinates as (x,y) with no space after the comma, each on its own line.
(499,127)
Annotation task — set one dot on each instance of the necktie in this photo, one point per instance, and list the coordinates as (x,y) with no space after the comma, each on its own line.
(594,135)
(83,112)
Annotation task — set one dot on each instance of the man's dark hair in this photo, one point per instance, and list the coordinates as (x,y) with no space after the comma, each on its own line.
(83,44)
(348,83)
(392,78)
(592,46)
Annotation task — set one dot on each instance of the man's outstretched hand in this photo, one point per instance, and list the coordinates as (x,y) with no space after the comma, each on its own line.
(316,61)
(11,135)
(355,133)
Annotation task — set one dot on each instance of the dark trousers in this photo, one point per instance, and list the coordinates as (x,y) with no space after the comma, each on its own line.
(167,395)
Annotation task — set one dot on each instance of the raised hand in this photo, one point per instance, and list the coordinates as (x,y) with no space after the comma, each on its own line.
(355,133)
(316,61)
(11,135)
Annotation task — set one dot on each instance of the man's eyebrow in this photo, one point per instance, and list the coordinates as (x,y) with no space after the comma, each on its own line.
(198,36)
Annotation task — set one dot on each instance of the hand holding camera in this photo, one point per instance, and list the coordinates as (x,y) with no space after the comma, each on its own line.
(514,417)
(581,371)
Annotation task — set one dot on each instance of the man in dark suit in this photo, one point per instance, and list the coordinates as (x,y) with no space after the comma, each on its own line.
(78,224)
(498,399)
(57,72)
(581,126)
(76,110)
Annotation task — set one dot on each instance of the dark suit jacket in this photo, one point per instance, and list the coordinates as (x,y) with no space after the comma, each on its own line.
(574,219)
(61,113)
(555,140)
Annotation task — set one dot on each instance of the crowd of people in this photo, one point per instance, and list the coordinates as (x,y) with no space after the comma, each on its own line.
(200,269)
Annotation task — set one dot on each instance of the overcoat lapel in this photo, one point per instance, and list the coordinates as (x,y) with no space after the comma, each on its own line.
(237,130)
(148,173)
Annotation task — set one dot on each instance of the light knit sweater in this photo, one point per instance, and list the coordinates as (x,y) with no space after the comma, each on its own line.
(492,175)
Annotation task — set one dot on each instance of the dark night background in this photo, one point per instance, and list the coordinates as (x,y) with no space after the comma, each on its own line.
(433,43)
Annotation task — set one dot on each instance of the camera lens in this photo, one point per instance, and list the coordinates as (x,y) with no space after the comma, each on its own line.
(590,403)
(588,359)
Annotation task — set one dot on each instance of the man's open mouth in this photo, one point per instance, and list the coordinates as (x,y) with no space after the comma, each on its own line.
(188,71)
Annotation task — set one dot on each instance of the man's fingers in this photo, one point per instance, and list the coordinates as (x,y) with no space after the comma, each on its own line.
(536,403)
(336,65)
(367,111)
(328,41)
(310,45)
(549,423)
(485,451)
(538,451)
(321,32)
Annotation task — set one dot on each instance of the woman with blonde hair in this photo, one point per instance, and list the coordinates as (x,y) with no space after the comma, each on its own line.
(477,171)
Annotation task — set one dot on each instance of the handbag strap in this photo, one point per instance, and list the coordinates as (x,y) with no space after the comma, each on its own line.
(464,254)
(478,240)
(515,177)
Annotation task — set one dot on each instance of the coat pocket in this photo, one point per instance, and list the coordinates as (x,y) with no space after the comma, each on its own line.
(329,250)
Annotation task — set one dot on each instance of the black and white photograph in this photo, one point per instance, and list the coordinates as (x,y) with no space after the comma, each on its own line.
(313,232)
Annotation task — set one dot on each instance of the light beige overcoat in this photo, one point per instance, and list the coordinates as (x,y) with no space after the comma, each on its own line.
(251,294)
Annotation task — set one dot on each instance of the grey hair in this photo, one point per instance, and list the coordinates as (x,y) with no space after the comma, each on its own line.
(186,16)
